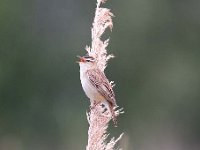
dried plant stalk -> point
(97, 133)
(97, 118)
(102, 21)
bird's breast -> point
(89, 89)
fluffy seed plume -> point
(97, 133)
(102, 21)
(98, 119)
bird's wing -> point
(101, 83)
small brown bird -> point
(96, 85)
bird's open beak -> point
(81, 59)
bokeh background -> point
(156, 71)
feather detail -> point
(103, 86)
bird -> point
(96, 85)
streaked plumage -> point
(101, 83)
(95, 84)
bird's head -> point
(86, 61)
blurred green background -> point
(156, 71)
